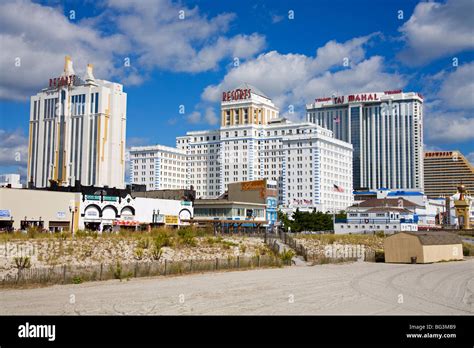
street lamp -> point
(72, 210)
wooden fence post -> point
(217, 263)
(64, 274)
(238, 261)
(135, 270)
(258, 261)
(191, 266)
(165, 266)
(101, 267)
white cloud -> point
(430, 147)
(13, 148)
(297, 79)
(38, 37)
(437, 30)
(150, 34)
(470, 157)
(449, 117)
(457, 90)
(276, 18)
(448, 126)
(193, 44)
(194, 117)
(210, 116)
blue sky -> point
(189, 61)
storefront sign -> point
(171, 220)
(92, 198)
(61, 214)
(110, 199)
(92, 213)
(271, 202)
(252, 185)
(4, 213)
(160, 218)
(186, 203)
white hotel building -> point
(158, 167)
(386, 131)
(77, 131)
(304, 159)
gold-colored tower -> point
(461, 207)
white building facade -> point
(158, 167)
(317, 170)
(387, 220)
(312, 169)
(386, 131)
(12, 180)
(77, 131)
(305, 160)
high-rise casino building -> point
(77, 131)
(386, 132)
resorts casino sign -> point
(62, 81)
(236, 94)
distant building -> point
(245, 204)
(444, 171)
(91, 208)
(158, 167)
(386, 131)
(389, 215)
(77, 132)
(176, 194)
(311, 168)
(377, 219)
(105, 213)
(11, 180)
(49, 210)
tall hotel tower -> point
(303, 161)
(77, 132)
(386, 131)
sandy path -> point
(356, 288)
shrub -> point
(156, 252)
(138, 253)
(379, 255)
(32, 232)
(380, 234)
(62, 235)
(229, 244)
(143, 243)
(77, 280)
(287, 255)
(213, 240)
(22, 262)
(243, 248)
(467, 249)
(186, 237)
(162, 239)
(86, 233)
(117, 271)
